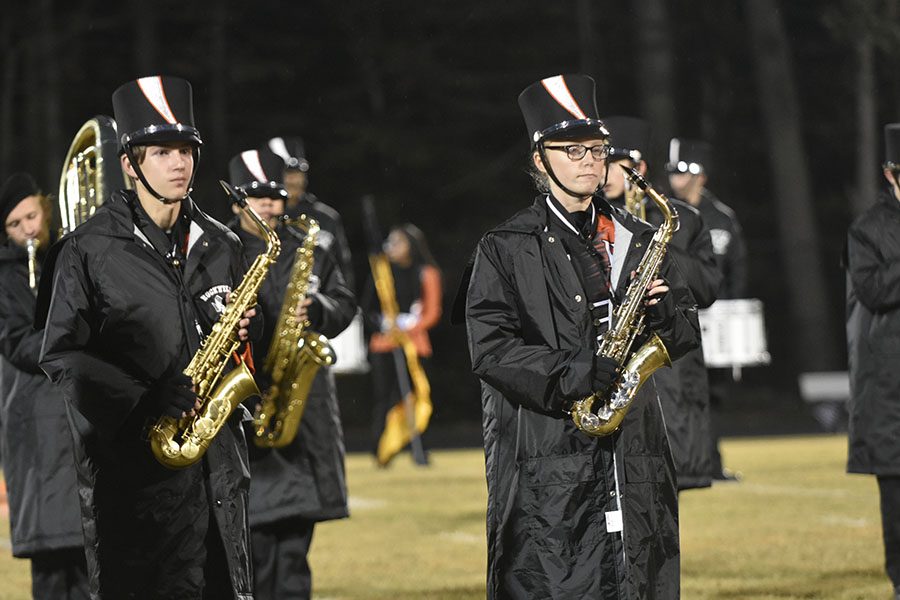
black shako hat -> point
(629, 137)
(559, 107)
(292, 152)
(259, 173)
(689, 156)
(892, 146)
(155, 109)
(15, 189)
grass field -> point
(796, 527)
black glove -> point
(605, 372)
(173, 396)
(314, 313)
(661, 313)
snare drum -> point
(734, 333)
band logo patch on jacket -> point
(215, 297)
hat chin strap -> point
(543, 154)
(153, 192)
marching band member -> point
(300, 201)
(688, 167)
(683, 389)
(873, 339)
(571, 515)
(417, 289)
(295, 486)
(134, 289)
(45, 523)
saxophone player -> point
(570, 515)
(683, 389)
(302, 483)
(134, 290)
(45, 523)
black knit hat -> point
(155, 109)
(259, 173)
(292, 152)
(562, 106)
(892, 146)
(15, 189)
(689, 156)
(629, 137)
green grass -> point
(796, 527)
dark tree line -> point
(416, 103)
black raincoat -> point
(684, 389)
(554, 492)
(873, 336)
(122, 318)
(35, 442)
(306, 478)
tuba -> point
(91, 170)
(295, 354)
(178, 443)
(628, 325)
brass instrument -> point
(634, 197)
(91, 170)
(31, 246)
(178, 443)
(295, 354)
(628, 324)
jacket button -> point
(598, 322)
(577, 297)
(218, 503)
(612, 494)
(551, 239)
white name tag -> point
(614, 521)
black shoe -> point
(727, 475)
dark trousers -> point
(719, 382)
(889, 487)
(280, 567)
(59, 575)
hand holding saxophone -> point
(244, 325)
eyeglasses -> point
(577, 151)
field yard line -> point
(462, 536)
(358, 503)
(791, 490)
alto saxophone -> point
(178, 443)
(628, 324)
(295, 354)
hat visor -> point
(575, 129)
(156, 134)
(265, 190)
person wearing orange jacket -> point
(417, 282)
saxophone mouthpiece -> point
(237, 196)
(635, 177)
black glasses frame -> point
(578, 151)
